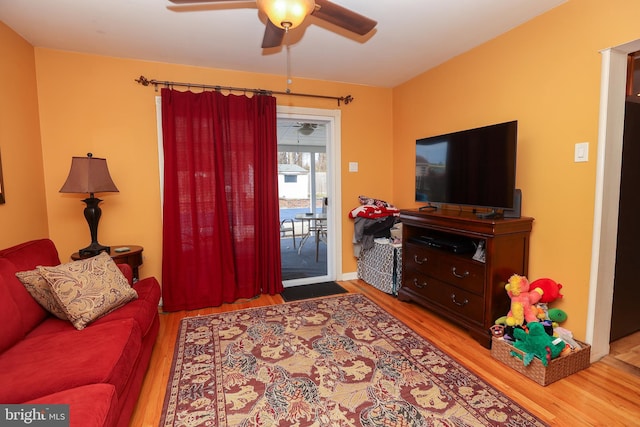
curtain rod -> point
(146, 82)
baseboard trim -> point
(349, 276)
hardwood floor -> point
(625, 354)
(602, 395)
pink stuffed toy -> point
(522, 301)
(550, 289)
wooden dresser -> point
(441, 274)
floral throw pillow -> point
(89, 288)
(40, 290)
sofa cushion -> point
(89, 288)
(143, 310)
(127, 271)
(30, 313)
(45, 364)
(89, 406)
(26, 256)
(40, 290)
(10, 314)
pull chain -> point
(288, 63)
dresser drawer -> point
(420, 257)
(465, 274)
(459, 302)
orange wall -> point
(24, 215)
(92, 104)
(546, 75)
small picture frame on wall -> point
(2, 199)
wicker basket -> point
(556, 369)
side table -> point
(133, 257)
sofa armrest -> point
(127, 271)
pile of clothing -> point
(373, 219)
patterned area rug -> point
(334, 361)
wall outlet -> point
(353, 166)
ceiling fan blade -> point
(343, 17)
(273, 35)
(202, 1)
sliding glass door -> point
(304, 198)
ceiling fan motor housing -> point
(286, 14)
(307, 128)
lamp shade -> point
(88, 175)
(286, 14)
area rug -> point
(334, 361)
(296, 293)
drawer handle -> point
(459, 276)
(419, 285)
(422, 261)
(458, 303)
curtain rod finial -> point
(143, 81)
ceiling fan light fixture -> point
(286, 14)
(307, 129)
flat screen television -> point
(474, 167)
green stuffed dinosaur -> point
(536, 343)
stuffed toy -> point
(500, 329)
(536, 343)
(497, 331)
(548, 326)
(557, 316)
(522, 301)
(550, 289)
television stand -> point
(461, 286)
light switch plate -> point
(353, 166)
(581, 153)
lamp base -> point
(93, 249)
(92, 213)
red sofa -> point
(98, 370)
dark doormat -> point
(295, 293)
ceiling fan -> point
(306, 128)
(287, 14)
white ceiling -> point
(412, 36)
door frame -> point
(607, 195)
(334, 179)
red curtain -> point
(220, 214)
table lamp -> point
(90, 175)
